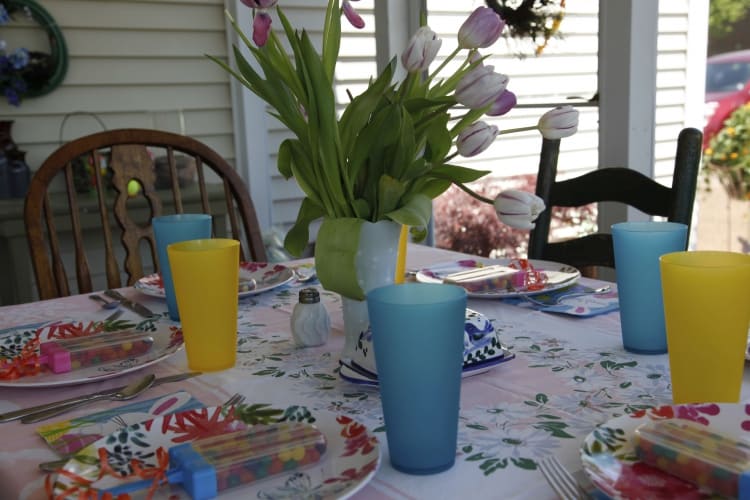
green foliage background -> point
(723, 16)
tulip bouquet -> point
(391, 151)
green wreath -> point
(47, 71)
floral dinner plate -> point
(19, 347)
(351, 459)
(608, 453)
(255, 278)
(357, 375)
(558, 276)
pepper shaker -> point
(310, 322)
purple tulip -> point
(261, 28)
(504, 103)
(352, 16)
(480, 87)
(559, 122)
(482, 28)
(260, 4)
(261, 21)
(421, 51)
(518, 209)
(476, 138)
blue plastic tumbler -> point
(638, 246)
(417, 334)
(170, 229)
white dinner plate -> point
(558, 275)
(265, 276)
(608, 453)
(351, 459)
(358, 375)
(167, 340)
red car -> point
(727, 88)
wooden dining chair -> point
(105, 210)
(616, 184)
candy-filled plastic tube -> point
(64, 355)
(213, 464)
(696, 454)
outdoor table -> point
(569, 374)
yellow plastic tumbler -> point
(707, 312)
(206, 278)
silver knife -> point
(16, 414)
(130, 304)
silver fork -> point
(236, 399)
(560, 480)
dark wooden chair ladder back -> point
(96, 215)
(611, 184)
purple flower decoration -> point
(4, 16)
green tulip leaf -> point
(336, 256)
(284, 161)
(415, 212)
(458, 174)
(416, 170)
(362, 208)
(417, 234)
(432, 188)
(298, 237)
(390, 191)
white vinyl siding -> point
(133, 64)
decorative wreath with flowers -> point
(538, 20)
(29, 73)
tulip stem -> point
(519, 129)
(444, 63)
(474, 194)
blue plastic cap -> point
(743, 488)
(199, 478)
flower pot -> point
(375, 266)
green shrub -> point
(464, 224)
(728, 154)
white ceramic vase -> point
(376, 266)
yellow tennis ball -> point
(134, 187)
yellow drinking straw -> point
(401, 258)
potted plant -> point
(378, 165)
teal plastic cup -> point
(638, 246)
(170, 229)
(417, 334)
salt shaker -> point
(310, 322)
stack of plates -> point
(482, 351)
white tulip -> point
(518, 209)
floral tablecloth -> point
(570, 374)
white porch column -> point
(627, 92)
(395, 23)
